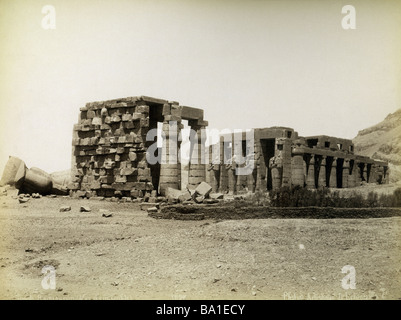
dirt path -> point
(132, 256)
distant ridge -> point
(383, 142)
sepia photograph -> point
(187, 150)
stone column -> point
(310, 180)
(261, 169)
(197, 169)
(297, 168)
(214, 167)
(322, 173)
(365, 172)
(351, 176)
(285, 155)
(358, 178)
(276, 166)
(345, 173)
(170, 168)
(386, 175)
(251, 178)
(333, 174)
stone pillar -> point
(351, 176)
(286, 162)
(251, 178)
(310, 180)
(345, 173)
(358, 177)
(386, 175)
(261, 169)
(333, 174)
(297, 168)
(223, 182)
(197, 169)
(276, 166)
(322, 173)
(232, 178)
(365, 172)
(214, 167)
(379, 175)
(170, 168)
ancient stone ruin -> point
(282, 158)
(110, 147)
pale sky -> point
(248, 64)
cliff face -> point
(383, 142)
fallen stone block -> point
(152, 210)
(199, 199)
(65, 208)
(184, 196)
(173, 193)
(105, 213)
(216, 196)
(203, 189)
(12, 192)
(13, 173)
(191, 190)
(210, 201)
(85, 209)
(59, 189)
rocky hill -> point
(383, 142)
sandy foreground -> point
(133, 256)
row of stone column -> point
(352, 174)
(170, 168)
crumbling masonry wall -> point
(109, 147)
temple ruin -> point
(110, 147)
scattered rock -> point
(85, 209)
(216, 280)
(65, 208)
(147, 205)
(23, 200)
(106, 213)
(210, 201)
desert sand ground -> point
(133, 256)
